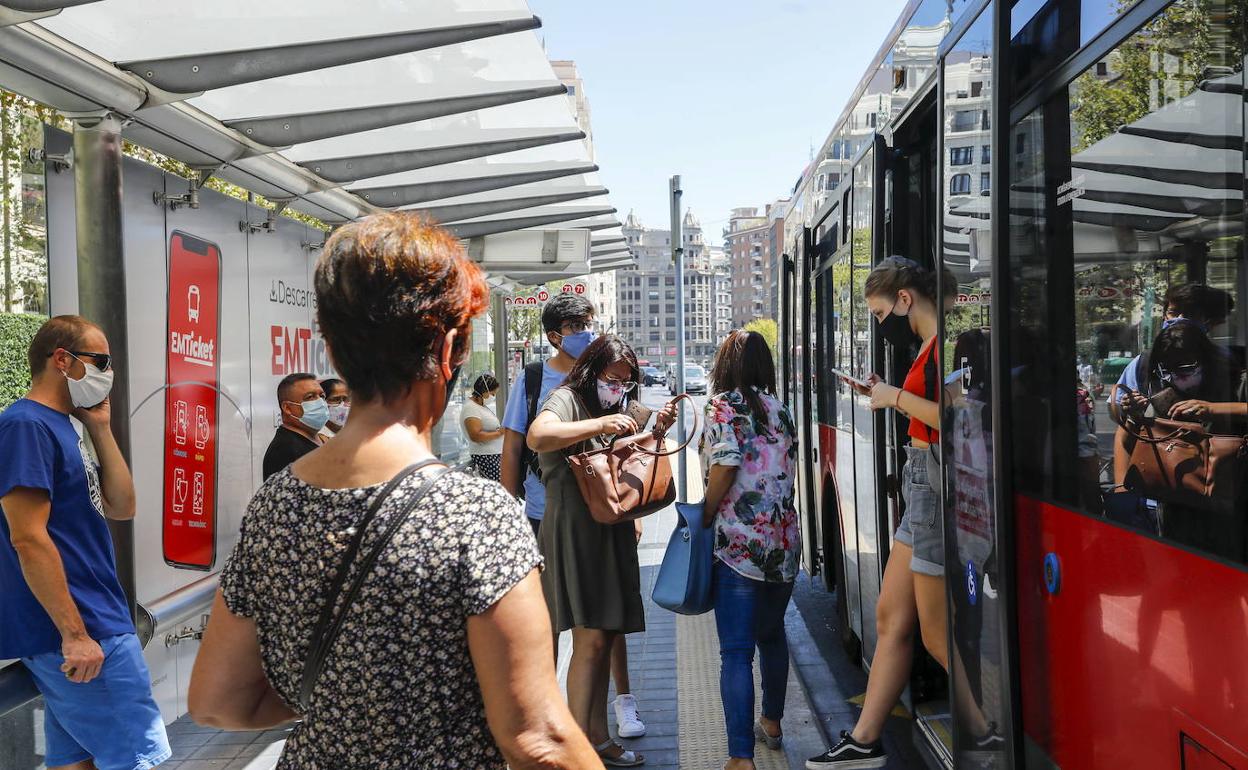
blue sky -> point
(730, 95)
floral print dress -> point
(756, 527)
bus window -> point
(1127, 197)
(970, 516)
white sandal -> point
(626, 758)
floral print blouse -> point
(756, 527)
(399, 690)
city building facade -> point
(647, 295)
(746, 243)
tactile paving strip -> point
(703, 739)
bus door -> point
(1126, 266)
(981, 714)
(820, 551)
(868, 426)
(804, 376)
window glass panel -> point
(1044, 32)
(969, 510)
(1127, 194)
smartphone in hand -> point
(862, 387)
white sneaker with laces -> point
(626, 721)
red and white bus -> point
(1070, 163)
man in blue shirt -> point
(64, 613)
(568, 320)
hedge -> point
(16, 332)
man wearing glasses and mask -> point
(64, 612)
(304, 414)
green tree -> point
(1165, 61)
(770, 331)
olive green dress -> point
(591, 578)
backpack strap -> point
(532, 391)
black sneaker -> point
(849, 754)
(991, 740)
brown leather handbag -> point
(1178, 461)
(629, 478)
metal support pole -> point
(498, 314)
(102, 284)
(678, 257)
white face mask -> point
(338, 413)
(489, 403)
(609, 394)
(92, 389)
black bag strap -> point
(532, 391)
(329, 625)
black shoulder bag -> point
(328, 626)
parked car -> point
(695, 380)
(650, 375)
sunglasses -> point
(102, 361)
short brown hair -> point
(62, 331)
(388, 289)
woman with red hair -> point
(443, 653)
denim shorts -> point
(922, 527)
(111, 719)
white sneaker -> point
(626, 721)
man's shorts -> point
(922, 528)
(112, 719)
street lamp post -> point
(678, 256)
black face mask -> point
(896, 329)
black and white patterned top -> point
(398, 690)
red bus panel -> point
(1138, 659)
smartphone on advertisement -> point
(192, 377)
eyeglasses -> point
(624, 385)
(1182, 370)
(103, 361)
(576, 327)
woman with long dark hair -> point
(1185, 376)
(592, 581)
(749, 454)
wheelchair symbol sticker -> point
(972, 581)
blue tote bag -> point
(684, 582)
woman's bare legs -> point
(590, 665)
(619, 665)
(895, 619)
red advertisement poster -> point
(192, 377)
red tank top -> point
(925, 367)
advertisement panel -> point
(192, 379)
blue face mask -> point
(575, 344)
(315, 414)
(1167, 323)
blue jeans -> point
(750, 613)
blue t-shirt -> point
(515, 417)
(40, 449)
